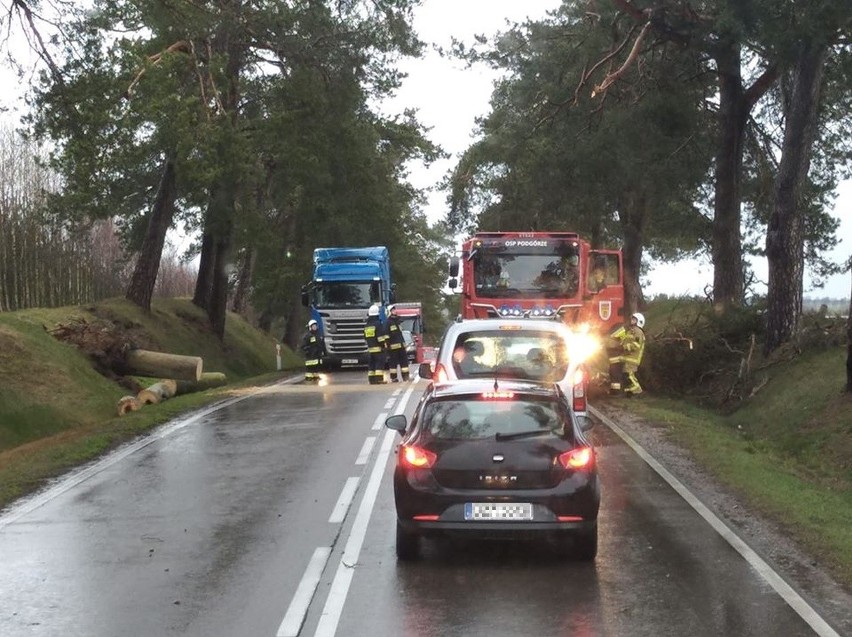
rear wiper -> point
(532, 433)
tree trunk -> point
(727, 238)
(158, 392)
(203, 283)
(849, 346)
(162, 365)
(208, 380)
(244, 278)
(784, 237)
(141, 287)
(633, 217)
(293, 330)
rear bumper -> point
(497, 530)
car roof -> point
(467, 386)
(470, 325)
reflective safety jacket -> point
(375, 335)
(633, 344)
(313, 345)
(395, 337)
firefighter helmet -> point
(312, 323)
(391, 309)
(373, 311)
(640, 318)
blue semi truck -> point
(345, 283)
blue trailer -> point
(345, 283)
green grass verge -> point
(57, 412)
(814, 509)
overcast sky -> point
(449, 97)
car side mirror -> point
(397, 423)
(425, 371)
(305, 295)
(453, 283)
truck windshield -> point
(343, 294)
(500, 273)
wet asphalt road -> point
(273, 515)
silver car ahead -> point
(521, 349)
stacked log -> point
(167, 388)
(158, 392)
(127, 404)
(208, 380)
(159, 364)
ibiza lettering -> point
(530, 243)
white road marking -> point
(397, 392)
(365, 451)
(292, 623)
(380, 421)
(333, 608)
(390, 403)
(343, 502)
(805, 611)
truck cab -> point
(345, 283)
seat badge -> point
(498, 457)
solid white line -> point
(292, 623)
(380, 421)
(390, 403)
(333, 608)
(805, 611)
(343, 502)
(365, 451)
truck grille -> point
(344, 335)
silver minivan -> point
(523, 349)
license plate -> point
(350, 361)
(498, 511)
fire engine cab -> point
(540, 275)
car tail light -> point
(579, 458)
(415, 457)
(440, 375)
(426, 518)
(578, 396)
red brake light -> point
(416, 457)
(440, 375)
(578, 392)
(579, 458)
(498, 395)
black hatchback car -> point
(495, 459)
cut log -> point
(128, 403)
(159, 364)
(208, 380)
(158, 392)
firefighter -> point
(313, 347)
(623, 365)
(376, 337)
(396, 347)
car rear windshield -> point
(476, 417)
(524, 354)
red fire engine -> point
(411, 321)
(540, 275)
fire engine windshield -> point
(410, 324)
(501, 272)
(343, 294)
